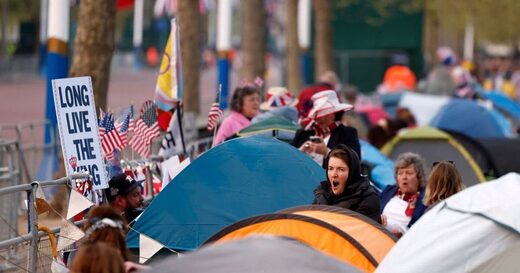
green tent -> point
(435, 145)
(277, 127)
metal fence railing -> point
(31, 252)
(31, 145)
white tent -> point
(423, 106)
(462, 233)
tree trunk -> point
(293, 49)
(190, 32)
(253, 39)
(94, 45)
(323, 39)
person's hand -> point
(397, 234)
(133, 267)
(384, 220)
(306, 147)
(320, 148)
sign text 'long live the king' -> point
(77, 123)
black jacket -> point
(358, 195)
(340, 135)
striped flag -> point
(215, 113)
(127, 125)
(111, 139)
(146, 128)
(101, 123)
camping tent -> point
(503, 154)
(340, 233)
(278, 127)
(257, 254)
(381, 167)
(505, 262)
(237, 179)
(504, 104)
(477, 151)
(422, 106)
(495, 157)
(471, 118)
(463, 232)
(435, 145)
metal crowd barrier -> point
(32, 238)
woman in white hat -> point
(325, 131)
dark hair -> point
(237, 101)
(340, 151)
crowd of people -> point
(326, 136)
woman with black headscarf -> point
(345, 186)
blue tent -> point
(382, 168)
(505, 104)
(240, 178)
(391, 102)
(470, 118)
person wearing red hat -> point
(324, 129)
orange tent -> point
(343, 234)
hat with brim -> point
(325, 103)
(278, 97)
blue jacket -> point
(390, 191)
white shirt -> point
(397, 220)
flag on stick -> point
(215, 112)
(168, 89)
(111, 139)
(172, 142)
(146, 128)
(127, 125)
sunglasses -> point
(447, 161)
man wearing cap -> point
(126, 196)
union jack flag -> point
(215, 113)
(111, 139)
(146, 128)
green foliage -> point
(494, 20)
(23, 10)
(382, 10)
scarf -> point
(324, 132)
(411, 199)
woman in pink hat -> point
(325, 131)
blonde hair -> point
(443, 182)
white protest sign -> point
(78, 127)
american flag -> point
(215, 113)
(127, 125)
(146, 128)
(111, 139)
(101, 123)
